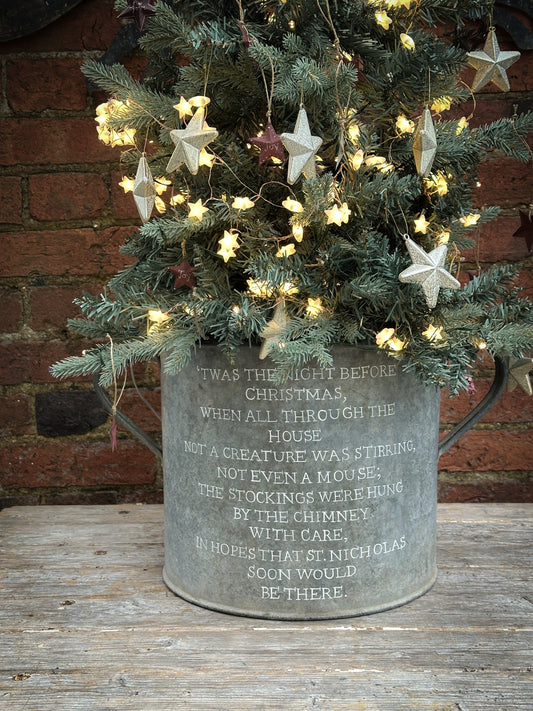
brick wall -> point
(63, 217)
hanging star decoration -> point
(526, 228)
(270, 145)
(519, 369)
(271, 334)
(491, 63)
(302, 147)
(428, 271)
(424, 143)
(183, 274)
(190, 141)
(138, 11)
(144, 192)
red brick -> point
(51, 306)
(80, 464)
(11, 193)
(39, 84)
(495, 242)
(20, 500)
(511, 491)
(80, 498)
(489, 450)
(123, 203)
(64, 252)
(30, 361)
(513, 406)
(10, 310)
(16, 416)
(141, 496)
(504, 182)
(67, 196)
(91, 25)
(60, 141)
(132, 405)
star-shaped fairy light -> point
(293, 205)
(270, 144)
(298, 232)
(287, 250)
(271, 334)
(433, 333)
(242, 203)
(314, 307)
(189, 142)
(404, 125)
(338, 214)
(138, 11)
(127, 184)
(302, 147)
(197, 210)
(519, 369)
(388, 340)
(526, 228)
(183, 274)
(228, 245)
(183, 107)
(144, 192)
(421, 224)
(407, 41)
(491, 63)
(383, 19)
(428, 271)
(470, 220)
(424, 143)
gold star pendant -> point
(519, 369)
(144, 191)
(490, 64)
(424, 144)
(302, 147)
(428, 271)
(189, 142)
(271, 334)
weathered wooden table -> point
(86, 623)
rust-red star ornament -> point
(138, 11)
(270, 145)
(183, 274)
(526, 228)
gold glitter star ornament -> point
(144, 192)
(428, 271)
(271, 334)
(491, 64)
(424, 144)
(190, 141)
(519, 369)
(301, 147)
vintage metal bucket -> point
(307, 500)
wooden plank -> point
(88, 624)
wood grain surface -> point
(87, 623)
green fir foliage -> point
(339, 280)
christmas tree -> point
(299, 187)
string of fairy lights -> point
(190, 149)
